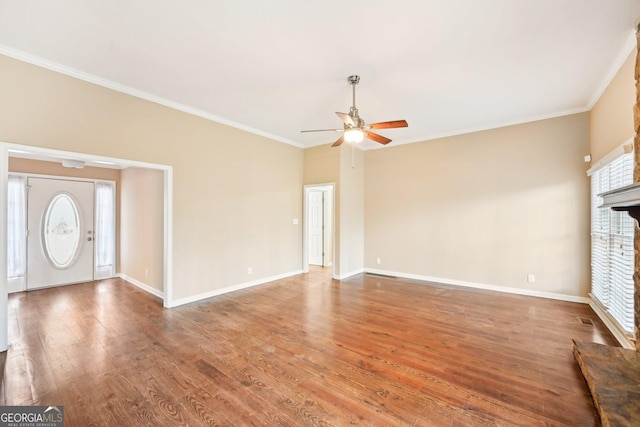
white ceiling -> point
(280, 66)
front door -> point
(60, 232)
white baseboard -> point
(518, 291)
(233, 288)
(141, 285)
(16, 285)
(350, 274)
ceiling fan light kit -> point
(354, 128)
(353, 135)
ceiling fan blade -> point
(338, 142)
(323, 130)
(388, 125)
(377, 138)
(346, 119)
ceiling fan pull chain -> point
(353, 156)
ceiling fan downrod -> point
(353, 112)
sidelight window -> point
(105, 230)
(16, 228)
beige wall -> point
(447, 208)
(142, 219)
(352, 210)
(40, 167)
(234, 193)
(485, 208)
(321, 165)
(611, 117)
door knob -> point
(89, 239)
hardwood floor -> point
(307, 350)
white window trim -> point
(625, 148)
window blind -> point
(612, 254)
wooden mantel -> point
(624, 199)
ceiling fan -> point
(355, 129)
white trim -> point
(81, 75)
(628, 47)
(25, 150)
(16, 284)
(60, 177)
(517, 291)
(625, 148)
(229, 289)
(613, 327)
(305, 223)
(168, 238)
(141, 285)
(350, 274)
(4, 287)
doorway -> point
(57, 156)
(318, 236)
(9, 149)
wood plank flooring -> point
(306, 350)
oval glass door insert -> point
(62, 231)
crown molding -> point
(628, 47)
(488, 126)
(99, 81)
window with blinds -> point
(612, 256)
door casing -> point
(329, 215)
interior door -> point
(316, 229)
(328, 227)
(60, 232)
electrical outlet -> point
(250, 270)
(146, 272)
(378, 261)
(531, 278)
